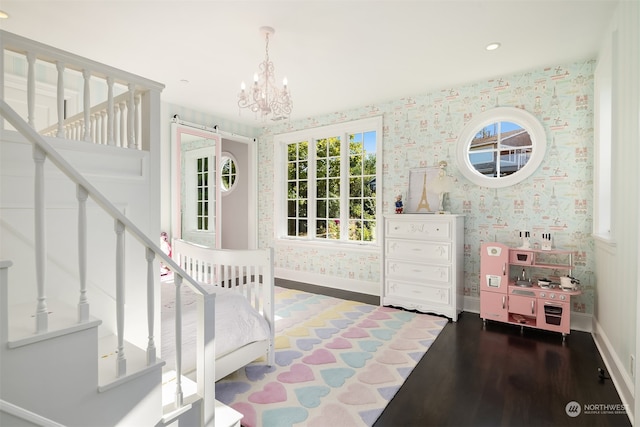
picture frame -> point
(422, 195)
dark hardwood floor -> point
(496, 376)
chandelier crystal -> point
(264, 96)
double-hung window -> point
(328, 182)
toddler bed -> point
(244, 311)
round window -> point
(501, 147)
(228, 172)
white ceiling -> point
(336, 54)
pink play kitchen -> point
(527, 287)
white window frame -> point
(604, 88)
(343, 130)
(191, 189)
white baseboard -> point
(370, 288)
(621, 380)
(471, 304)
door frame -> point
(177, 126)
(178, 129)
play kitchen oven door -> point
(554, 315)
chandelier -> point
(264, 97)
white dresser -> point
(423, 263)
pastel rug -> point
(338, 363)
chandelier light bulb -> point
(242, 86)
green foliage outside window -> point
(359, 213)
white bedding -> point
(237, 324)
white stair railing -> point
(44, 151)
(124, 131)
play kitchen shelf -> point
(527, 287)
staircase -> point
(67, 307)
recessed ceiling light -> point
(492, 46)
(185, 81)
(4, 15)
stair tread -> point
(62, 318)
(136, 360)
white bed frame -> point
(248, 272)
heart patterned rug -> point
(337, 363)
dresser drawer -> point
(418, 293)
(417, 229)
(418, 250)
(413, 271)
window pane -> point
(334, 167)
(355, 230)
(302, 170)
(321, 188)
(355, 187)
(302, 227)
(321, 229)
(302, 208)
(291, 171)
(334, 229)
(355, 209)
(334, 146)
(334, 208)
(321, 168)
(334, 187)
(302, 190)
(321, 208)
(292, 191)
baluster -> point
(179, 396)
(83, 305)
(121, 362)
(110, 121)
(31, 88)
(87, 104)
(130, 120)
(60, 103)
(137, 122)
(42, 320)
(93, 128)
(123, 124)
(151, 346)
(116, 124)
(103, 127)
(98, 127)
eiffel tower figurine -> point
(423, 203)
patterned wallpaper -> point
(422, 130)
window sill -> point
(605, 239)
(336, 245)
